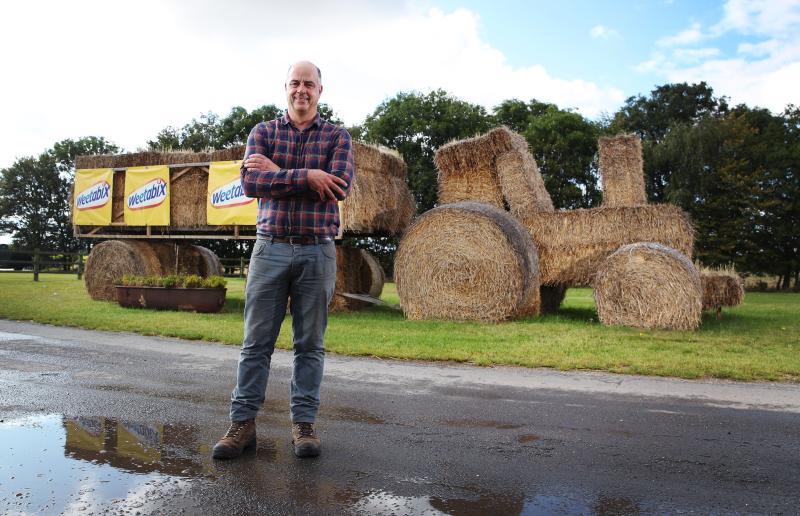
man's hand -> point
(328, 186)
(260, 162)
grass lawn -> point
(758, 341)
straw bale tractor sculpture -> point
(379, 203)
(495, 249)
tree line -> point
(734, 169)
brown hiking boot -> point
(305, 440)
(241, 435)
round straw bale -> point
(210, 263)
(552, 297)
(467, 261)
(196, 259)
(371, 274)
(112, 259)
(647, 285)
(721, 288)
(357, 272)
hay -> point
(118, 198)
(112, 259)
(188, 191)
(647, 285)
(496, 168)
(467, 261)
(522, 183)
(572, 244)
(552, 297)
(722, 287)
(622, 171)
(376, 158)
(467, 168)
(195, 259)
(372, 274)
(355, 274)
(379, 201)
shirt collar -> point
(285, 120)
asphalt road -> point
(97, 422)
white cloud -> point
(763, 73)
(769, 17)
(603, 32)
(693, 34)
(125, 70)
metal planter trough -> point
(205, 300)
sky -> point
(125, 69)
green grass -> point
(758, 341)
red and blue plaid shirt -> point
(286, 205)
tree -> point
(668, 106)
(564, 145)
(416, 125)
(736, 175)
(211, 132)
(35, 193)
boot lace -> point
(235, 429)
(305, 429)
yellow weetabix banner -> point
(91, 198)
(226, 203)
(147, 196)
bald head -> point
(303, 88)
(305, 64)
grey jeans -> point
(278, 271)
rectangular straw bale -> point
(572, 244)
(378, 159)
(118, 197)
(467, 167)
(187, 205)
(377, 203)
(230, 154)
(622, 171)
(521, 183)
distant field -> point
(757, 341)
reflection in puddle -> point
(53, 464)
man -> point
(298, 166)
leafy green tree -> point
(35, 195)
(416, 125)
(652, 118)
(736, 175)
(211, 132)
(564, 145)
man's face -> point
(303, 89)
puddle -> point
(53, 464)
(380, 502)
(6, 336)
(527, 438)
(341, 413)
(475, 423)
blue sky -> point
(558, 35)
(127, 69)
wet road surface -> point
(96, 422)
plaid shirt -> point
(286, 205)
